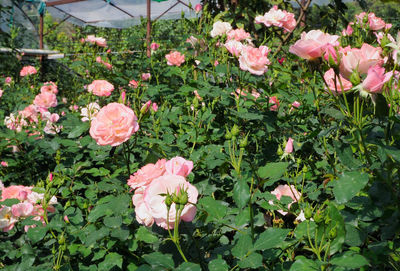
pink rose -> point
(27, 70)
(114, 124)
(375, 23)
(360, 18)
(146, 76)
(101, 42)
(175, 58)
(7, 220)
(50, 87)
(30, 113)
(154, 46)
(101, 88)
(22, 209)
(289, 145)
(286, 190)
(296, 104)
(313, 44)
(329, 77)
(45, 99)
(279, 18)
(234, 47)
(146, 174)
(155, 202)
(154, 107)
(133, 84)
(254, 60)
(359, 59)
(238, 34)
(273, 103)
(348, 31)
(19, 192)
(375, 79)
(8, 80)
(145, 107)
(4, 164)
(198, 8)
(179, 166)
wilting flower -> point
(175, 58)
(254, 60)
(100, 88)
(220, 28)
(113, 125)
(313, 44)
(27, 70)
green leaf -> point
(121, 234)
(302, 263)
(143, 234)
(112, 259)
(96, 235)
(218, 265)
(113, 221)
(241, 193)
(349, 259)
(271, 238)
(273, 170)
(156, 259)
(243, 245)
(254, 260)
(348, 185)
(9, 202)
(36, 234)
(79, 130)
(213, 207)
(188, 267)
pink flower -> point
(175, 58)
(101, 88)
(313, 44)
(273, 103)
(296, 104)
(238, 34)
(27, 70)
(66, 219)
(143, 215)
(133, 84)
(286, 190)
(348, 31)
(19, 192)
(220, 28)
(123, 96)
(106, 64)
(281, 60)
(50, 177)
(145, 107)
(154, 46)
(4, 164)
(360, 18)
(198, 8)
(1, 92)
(147, 174)
(359, 59)
(279, 18)
(146, 76)
(45, 99)
(113, 125)
(154, 200)
(49, 87)
(154, 107)
(289, 145)
(22, 209)
(7, 220)
(375, 79)
(329, 77)
(375, 23)
(254, 60)
(234, 47)
(96, 40)
(216, 63)
(179, 166)
(8, 80)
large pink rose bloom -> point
(30, 113)
(146, 174)
(238, 35)
(313, 44)
(254, 60)
(279, 18)
(234, 47)
(113, 125)
(375, 23)
(45, 99)
(175, 58)
(329, 77)
(179, 166)
(143, 215)
(359, 59)
(100, 88)
(49, 87)
(286, 190)
(155, 201)
(19, 192)
(375, 79)
(27, 70)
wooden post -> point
(148, 34)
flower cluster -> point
(27, 70)
(99, 41)
(30, 204)
(153, 183)
(279, 18)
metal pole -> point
(148, 34)
(41, 32)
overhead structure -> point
(117, 13)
